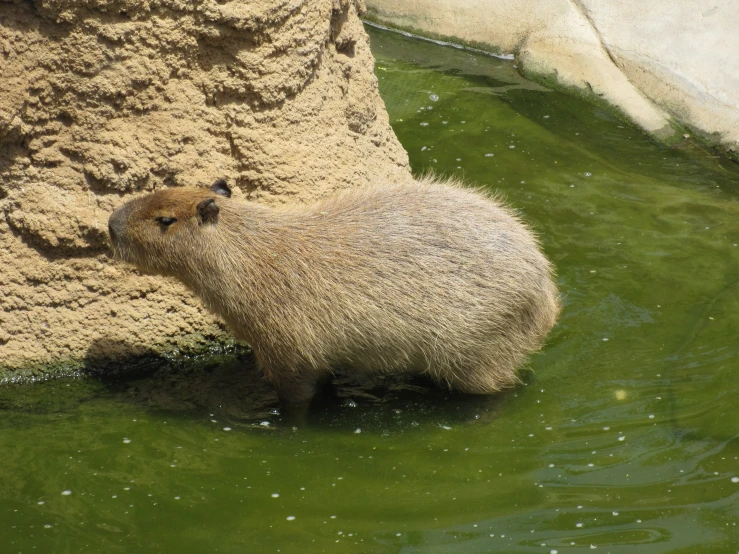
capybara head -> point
(160, 232)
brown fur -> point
(427, 277)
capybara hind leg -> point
(484, 382)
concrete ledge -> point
(666, 65)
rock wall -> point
(104, 99)
(656, 61)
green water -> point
(625, 438)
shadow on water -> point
(229, 385)
(232, 388)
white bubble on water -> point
(126, 441)
(40, 502)
(433, 97)
(275, 495)
(226, 428)
(615, 513)
(424, 124)
(66, 493)
(264, 424)
(423, 148)
(622, 438)
(588, 174)
(357, 431)
(511, 146)
(578, 524)
(735, 479)
(176, 497)
(489, 155)
(290, 518)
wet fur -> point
(428, 277)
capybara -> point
(427, 277)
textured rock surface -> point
(101, 99)
(655, 61)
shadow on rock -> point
(223, 379)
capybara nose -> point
(116, 224)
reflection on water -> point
(625, 438)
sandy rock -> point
(103, 99)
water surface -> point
(625, 438)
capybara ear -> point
(221, 188)
(208, 211)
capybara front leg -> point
(296, 391)
(295, 394)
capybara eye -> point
(166, 221)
